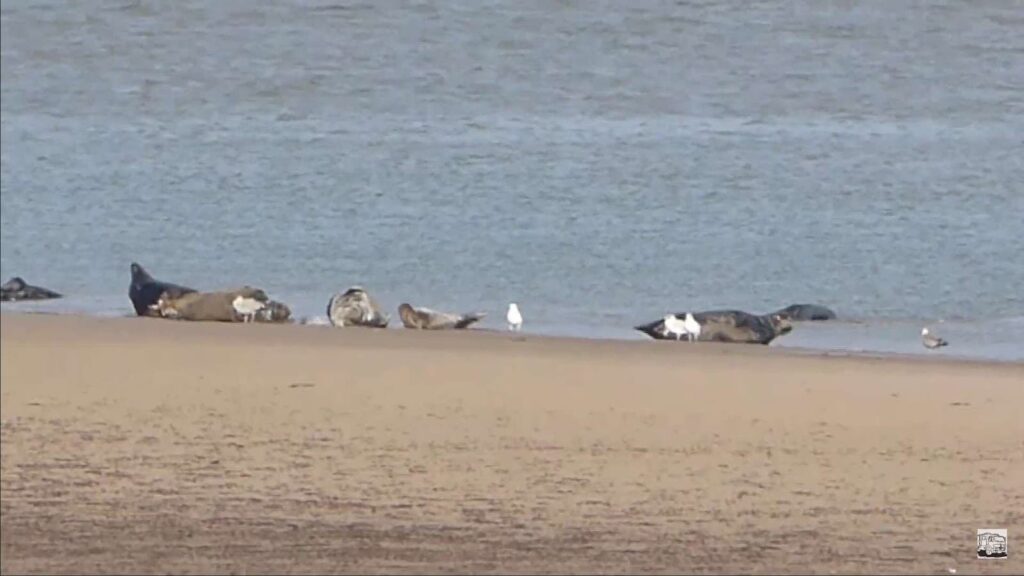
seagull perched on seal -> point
(674, 326)
(931, 341)
(677, 327)
(692, 327)
(427, 319)
(247, 307)
(355, 307)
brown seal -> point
(427, 319)
(246, 304)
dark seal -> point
(732, 326)
(806, 312)
(145, 291)
(17, 289)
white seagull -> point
(514, 317)
(931, 341)
(247, 307)
(692, 327)
(675, 326)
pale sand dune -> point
(134, 445)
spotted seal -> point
(355, 307)
(426, 319)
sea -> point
(600, 163)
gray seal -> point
(732, 326)
(807, 312)
(145, 291)
(274, 312)
(16, 289)
(355, 307)
(426, 319)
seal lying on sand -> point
(17, 289)
(799, 312)
(427, 319)
(144, 291)
(727, 326)
(245, 304)
(355, 307)
(274, 311)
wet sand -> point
(134, 445)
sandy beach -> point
(146, 446)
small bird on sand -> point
(931, 341)
(514, 317)
(675, 326)
(247, 307)
(692, 327)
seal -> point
(427, 319)
(274, 312)
(806, 312)
(246, 304)
(733, 326)
(355, 307)
(16, 289)
(145, 291)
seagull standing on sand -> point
(692, 327)
(675, 327)
(931, 341)
(514, 317)
(247, 307)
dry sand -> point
(133, 445)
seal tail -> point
(652, 329)
(468, 319)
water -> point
(600, 163)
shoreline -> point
(143, 445)
(776, 348)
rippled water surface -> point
(601, 163)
